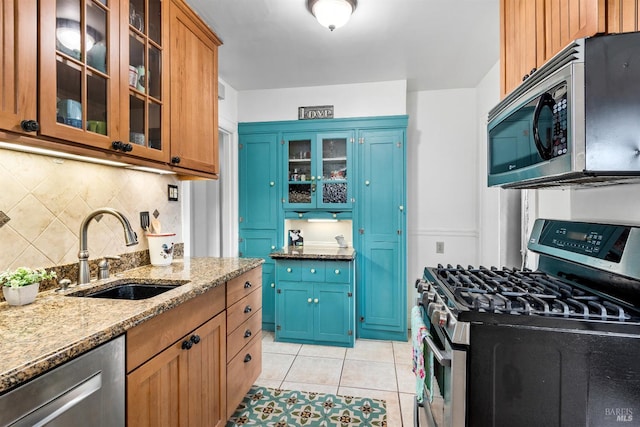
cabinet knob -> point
(247, 333)
(247, 309)
(127, 147)
(300, 215)
(186, 345)
(288, 269)
(247, 358)
(313, 271)
(313, 178)
(315, 300)
(334, 215)
(247, 284)
(273, 285)
(271, 184)
(175, 160)
(309, 300)
(273, 247)
(367, 182)
(195, 339)
(29, 126)
(336, 271)
(401, 207)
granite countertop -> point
(56, 328)
(314, 252)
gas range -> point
(567, 334)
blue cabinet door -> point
(382, 306)
(299, 171)
(294, 311)
(259, 244)
(258, 181)
(333, 313)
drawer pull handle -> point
(289, 270)
(313, 271)
(247, 358)
(247, 284)
(186, 345)
(247, 333)
(247, 309)
(337, 271)
(195, 339)
(309, 300)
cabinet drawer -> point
(243, 334)
(243, 310)
(313, 271)
(288, 270)
(151, 337)
(243, 285)
(338, 272)
(242, 372)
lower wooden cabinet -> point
(244, 336)
(315, 302)
(183, 385)
(177, 365)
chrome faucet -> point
(130, 238)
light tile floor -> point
(376, 369)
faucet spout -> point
(130, 238)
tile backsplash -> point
(44, 199)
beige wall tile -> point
(48, 198)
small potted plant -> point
(21, 286)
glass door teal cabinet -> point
(318, 171)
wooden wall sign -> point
(317, 112)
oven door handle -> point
(444, 359)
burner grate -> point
(524, 292)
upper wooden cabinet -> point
(96, 77)
(18, 72)
(101, 80)
(531, 32)
(194, 91)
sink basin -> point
(130, 291)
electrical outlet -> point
(439, 247)
(144, 220)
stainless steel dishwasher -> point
(86, 391)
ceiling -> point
(432, 44)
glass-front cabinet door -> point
(318, 167)
(143, 57)
(101, 82)
(79, 70)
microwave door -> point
(543, 126)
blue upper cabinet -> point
(258, 178)
(318, 170)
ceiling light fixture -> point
(332, 13)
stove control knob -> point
(431, 295)
(439, 315)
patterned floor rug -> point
(270, 407)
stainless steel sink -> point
(126, 290)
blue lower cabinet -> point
(312, 309)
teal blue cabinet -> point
(259, 210)
(315, 302)
(381, 238)
(318, 170)
(351, 168)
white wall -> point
(442, 170)
(356, 100)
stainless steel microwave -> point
(576, 120)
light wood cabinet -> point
(97, 77)
(194, 92)
(531, 32)
(176, 370)
(244, 335)
(18, 72)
